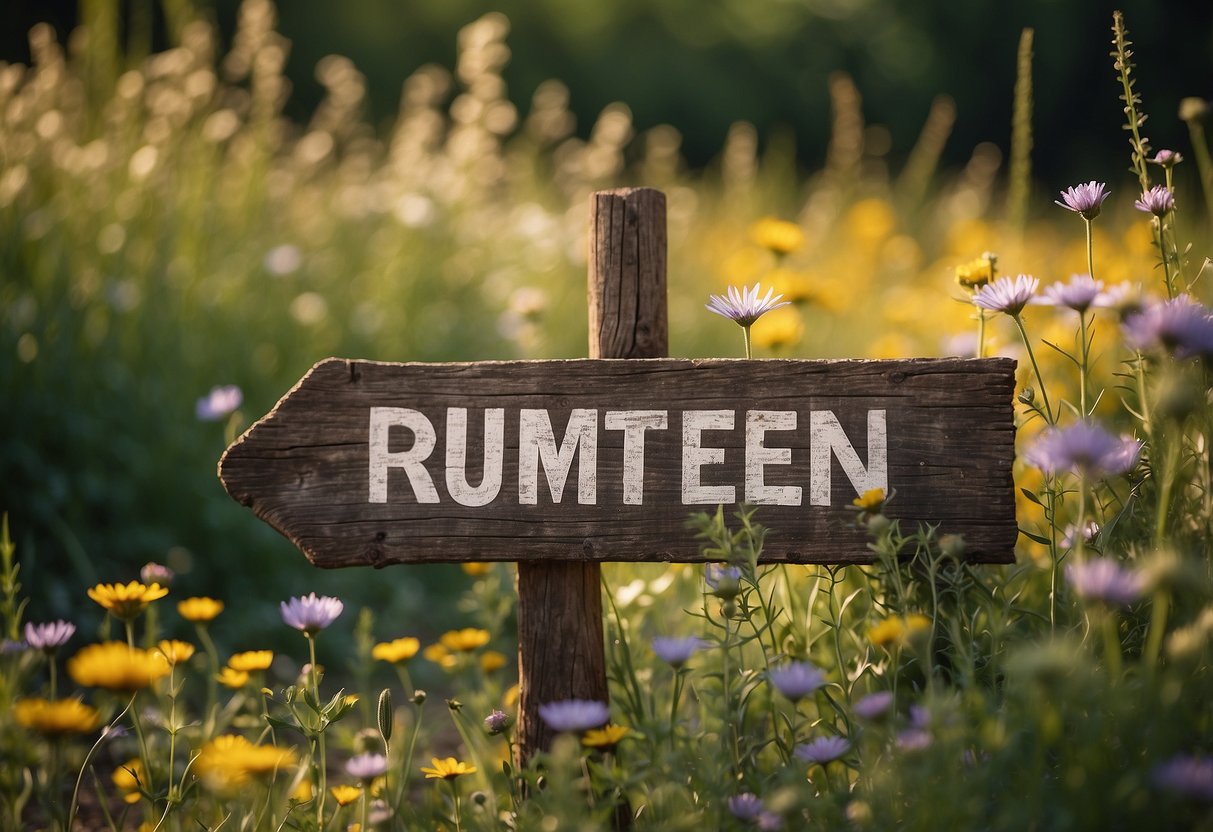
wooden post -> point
(561, 654)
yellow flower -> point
(199, 609)
(492, 660)
(115, 666)
(56, 716)
(887, 632)
(440, 656)
(779, 328)
(606, 737)
(345, 795)
(794, 286)
(129, 778)
(251, 660)
(304, 792)
(176, 651)
(510, 699)
(977, 273)
(916, 623)
(232, 678)
(126, 601)
(228, 761)
(447, 769)
(780, 236)
(476, 569)
(872, 500)
(465, 640)
(396, 651)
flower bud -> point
(952, 546)
(366, 741)
(1193, 109)
(1026, 395)
(418, 697)
(384, 715)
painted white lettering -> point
(456, 456)
(758, 455)
(827, 438)
(695, 456)
(634, 423)
(383, 419)
(536, 443)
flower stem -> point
(745, 333)
(1090, 250)
(1084, 367)
(1035, 368)
(1158, 626)
(981, 333)
(321, 767)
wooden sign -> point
(367, 463)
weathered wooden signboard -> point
(367, 463)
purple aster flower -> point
(1007, 294)
(1167, 158)
(1126, 298)
(744, 307)
(873, 705)
(8, 645)
(797, 680)
(676, 651)
(310, 613)
(218, 403)
(498, 722)
(1084, 199)
(1083, 448)
(1188, 775)
(1158, 201)
(769, 822)
(823, 749)
(1180, 325)
(920, 717)
(746, 806)
(574, 715)
(914, 739)
(1080, 294)
(49, 636)
(366, 767)
(155, 573)
(1103, 579)
(1069, 538)
(724, 581)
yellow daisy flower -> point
(465, 640)
(491, 660)
(779, 236)
(447, 769)
(977, 273)
(396, 651)
(115, 666)
(176, 651)
(439, 655)
(232, 678)
(56, 717)
(476, 569)
(345, 795)
(606, 737)
(129, 778)
(228, 762)
(199, 609)
(887, 632)
(126, 601)
(251, 660)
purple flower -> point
(366, 767)
(218, 403)
(744, 307)
(49, 636)
(310, 613)
(155, 573)
(1167, 158)
(676, 651)
(1125, 298)
(1103, 579)
(1070, 537)
(914, 739)
(1188, 775)
(769, 822)
(1083, 448)
(724, 581)
(746, 806)
(1007, 294)
(823, 749)
(498, 722)
(1180, 325)
(1080, 294)
(873, 705)
(1158, 201)
(797, 680)
(1084, 199)
(574, 715)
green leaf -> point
(1031, 497)
(1044, 541)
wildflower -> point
(492, 660)
(574, 715)
(873, 705)
(676, 651)
(476, 569)
(175, 651)
(914, 739)
(311, 614)
(439, 655)
(1070, 536)
(228, 761)
(126, 601)
(782, 328)
(606, 737)
(1158, 201)
(1083, 448)
(1084, 199)
(56, 717)
(797, 680)
(1180, 325)
(345, 795)
(746, 806)
(396, 651)
(1080, 294)
(1105, 580)
(498, 722)
(1006, 294)
(114, 665)
(977, 273)
(218, 403)
(50, 636)
(724, 581)
(1167, 158)
(778, 236)
(304, 792)
(743, 307)
(1124, 297)
(231, 678)
(129, 778)
(199, 610)
(465, 640)
(887, 632)
(251, 660)
(769, 822)
(1188, 775)
(366, 767)
(871, 501)
(155, 573)
(447, 769)
(823, 749)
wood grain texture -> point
(303, 468)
